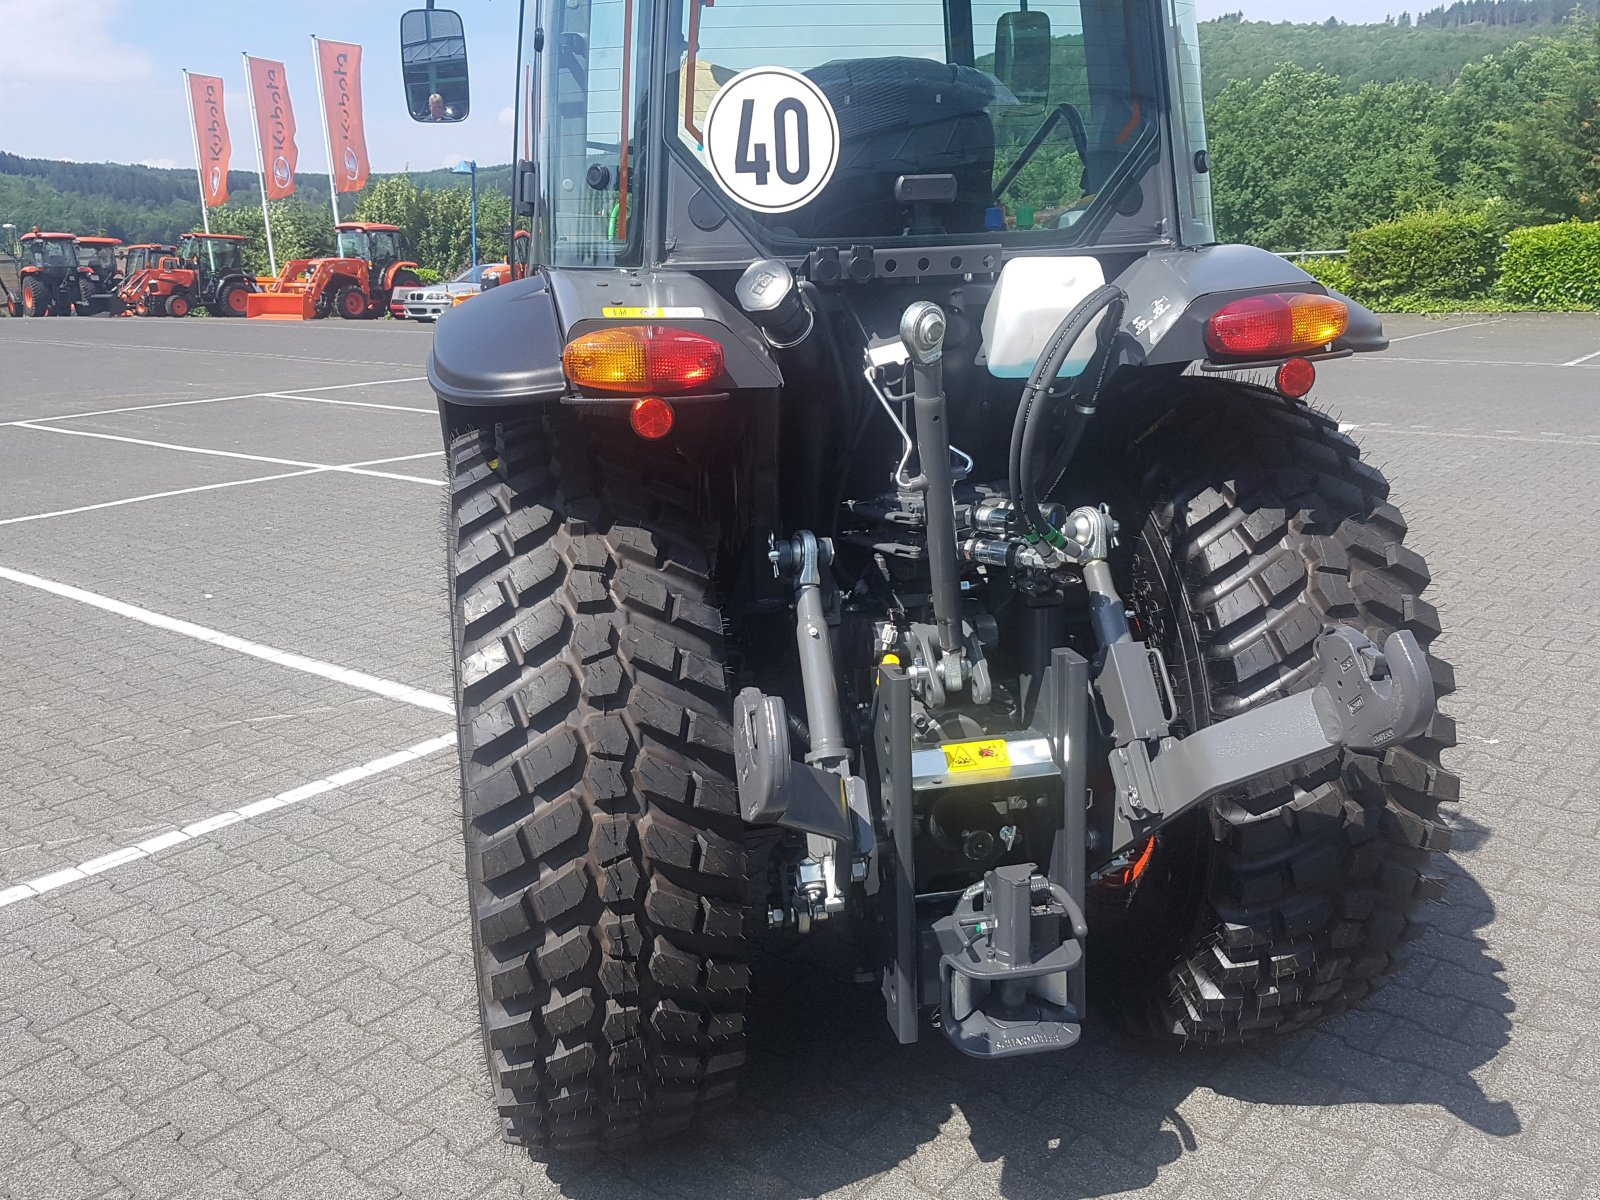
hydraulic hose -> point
(1029, 423)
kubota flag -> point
(211, 137)
(340, 63)
(275, 121)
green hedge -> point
(1433, 252)
(1554, 266)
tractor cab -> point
(139, 258)
(99, 277)
(49, 274)
(98, 255)
(380, 246)
(212, 254)
(1018, 128)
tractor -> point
(99, 277)
(368, 267)
(50, 275)
(884, 508)
(139, 267)
(207, 271)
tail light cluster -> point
(636, 360)
(1274, 326)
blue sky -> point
(131, 107)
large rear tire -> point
(610, 894)
(1267, 529)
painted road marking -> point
(1578, 362)
(232, 483)
(1469, 362)
(262, 458)
(1431, 332)
(198, 829)
(106, 412)
(432, 412)
(283, 658)
(1544, 439)
(205, 487)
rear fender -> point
(1172, 295)
(504, 349)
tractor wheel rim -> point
(236, 301)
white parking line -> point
(176, 837)
(1392, 359)
(106, 412)
(432, 412)
(232, 483)
(1431, 332)
(1578, 362)
(283, 658)
(206, 487)
(281, 462)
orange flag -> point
(211, 137)
(275, 120)
(341, 98)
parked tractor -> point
(207, 272)
(140, 264)
(99, 276)
(49, 278)
(368, 267)
(852, 527)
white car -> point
(427, 303)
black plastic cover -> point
(501, 347)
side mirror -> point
(433, 65)
(1022, 49)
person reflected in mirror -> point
(437, 110)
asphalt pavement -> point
(234, 955)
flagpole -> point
(199, 171)
(261, 162)
(327, 131)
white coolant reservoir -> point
(1031, 299)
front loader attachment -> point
(279, 306)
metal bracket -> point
(1366, 700)
(776, 790)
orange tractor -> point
(139, 265)
(49, 278)
(207, 272)
(369, 266)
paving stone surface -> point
(281, 1007)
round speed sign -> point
(772, 139)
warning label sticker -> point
(977, 756)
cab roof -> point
(151, 246)
(365, 227)
(99, 241)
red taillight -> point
(643, 358)
(1275, 325)
(1296, 378)
(651, 417)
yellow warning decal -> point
(977, 756)
(653, 314)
